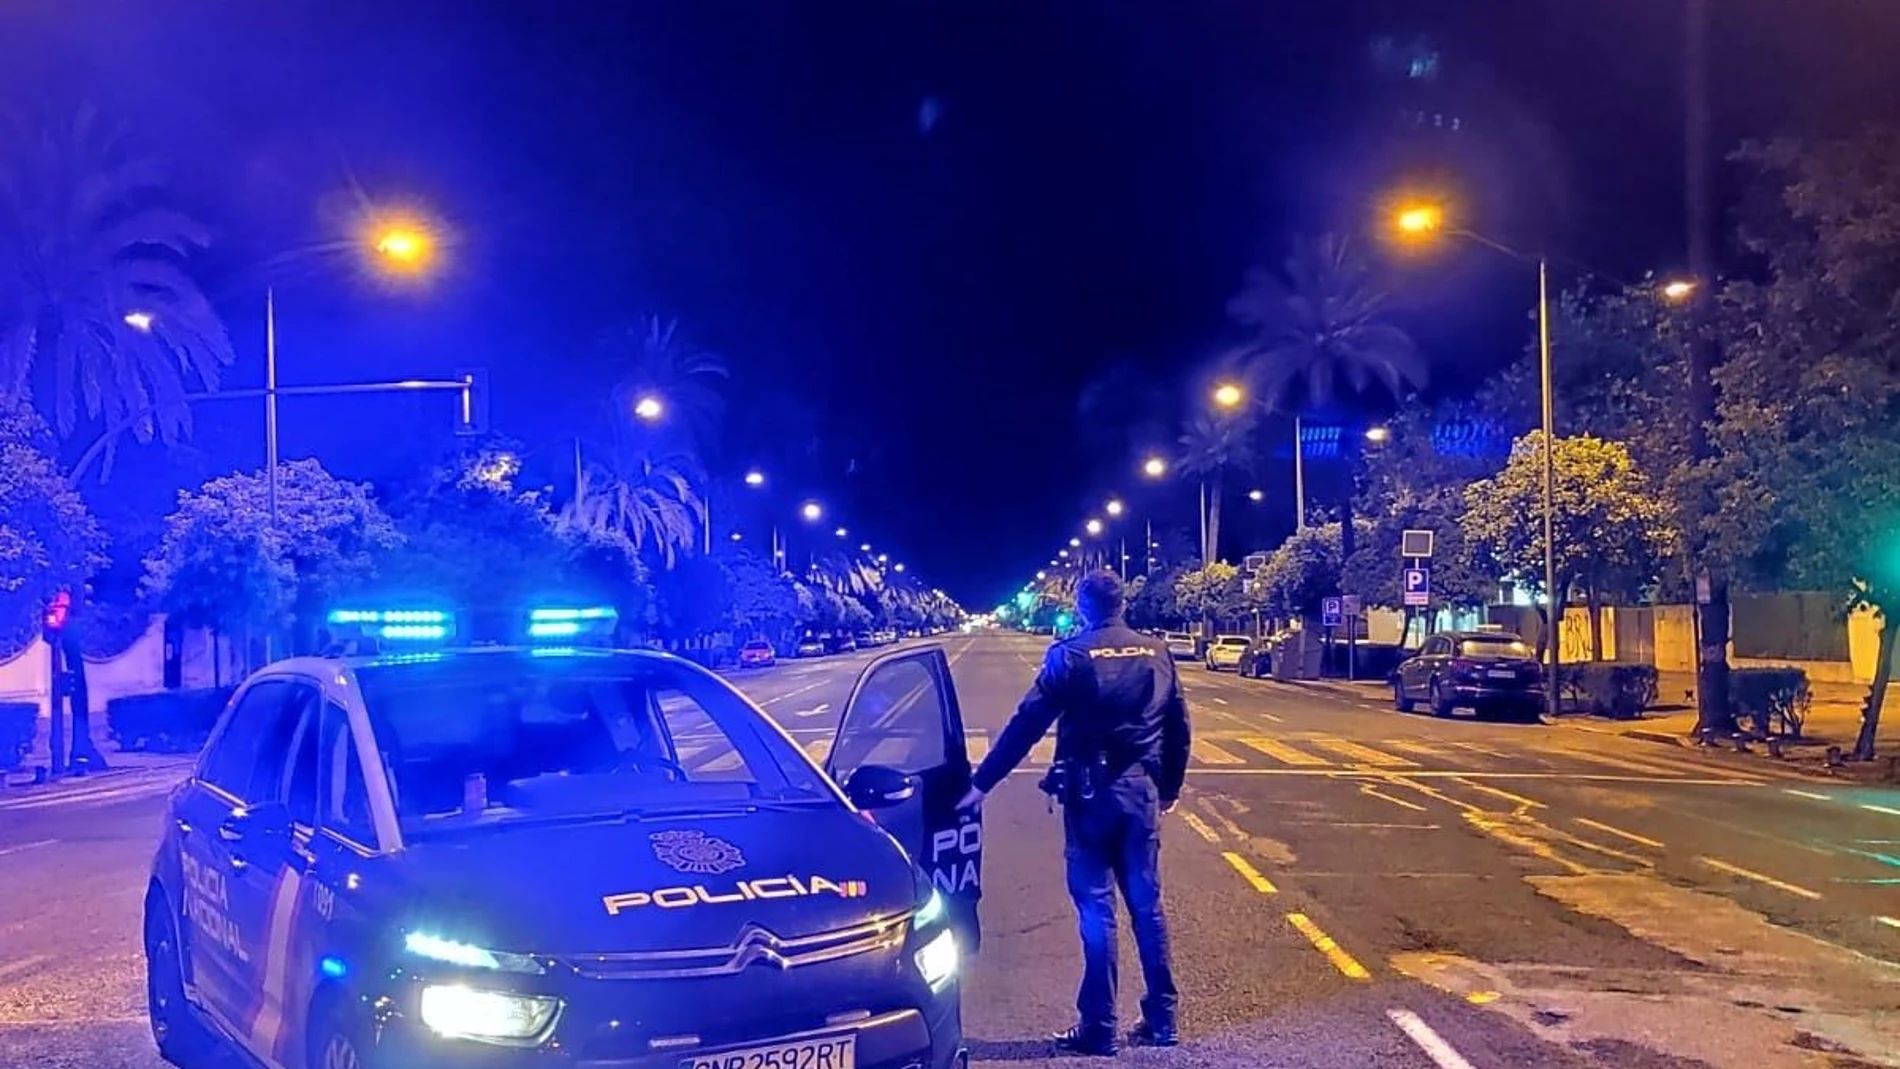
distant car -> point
(757, 653)
(841, 644)
(1225, 650)
(1256, 661)
(1491, 672)
(1180, 645)
(810, 646)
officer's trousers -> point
(1114, 840)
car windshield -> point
(1231, 640)
(1494, 647)
(485, 739)
(1177, 636)
(758, 645)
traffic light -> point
(471, 403)
(1063, 620)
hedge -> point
(1768, 695)
(18, 723)
(1611, 689)
(171, 721)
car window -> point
(301, 794)
(1233, 640)
(505, 738)
(1437, 647)
(1494, 647)
(343, 794)
(897, 720)
(251, 752)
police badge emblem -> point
(696, 852)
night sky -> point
(926, 289)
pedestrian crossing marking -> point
(1043, 753)
(1214, 755)
(1363, 754)
(818, 750)
(1281, 752)
(979, 746)
(1438, 751)
(726, 762)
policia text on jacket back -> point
(1121, 754)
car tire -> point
(1399, 701)
(331, 1042)
(1441, 704)
(181, 1037)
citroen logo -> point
(759, 947)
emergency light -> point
(560, 622)
(401, 625)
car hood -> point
(656, 885)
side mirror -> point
(879, 787)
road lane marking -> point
(1504, 794)
(1816, 795)
(1220, 701)
(1275, 719)
(1424, 773)
(1891, 922)
(1422, 749)
(979, 746)
(794, 693)
(1200, 827)
(1871, 808)
(818, 750)
(1347, 965)
(1630, 835)
(1043, 752)
(4, 851)
(1280, 751)
(1766, 881)
(1433, 1044)
(11, 969)
(1211, 754)
(821, 707)
(1250, 874)
(1374, 792)
(1363, 754)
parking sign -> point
(1418, 587)
(1330, 612)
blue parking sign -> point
(1331, 611)
(1418, 587)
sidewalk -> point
(122, 767)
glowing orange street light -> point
(1154, 468)
(403, 245)
(1420, 219)
(1678, 290)
(649, 408)
(1228, 395)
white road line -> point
(1751, 874)
(1630, 835)
(794, 693)
(815, 710)
(1220, 701)
(1816, 795)
(1890, 811)
(1433, 1044)
(1891, 922)
(4, 851)
(1275, 719)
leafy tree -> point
(764, 601)
(1302, 573)
(1411, 484)
(221, 564)
(49, 541)
(1152, 599)
(693, 598)
(472, 538)
(650, 502)
(1809, 470)
(1211, 593)
(659, 361)
(1612, 531)
(95, 304)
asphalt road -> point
(1348, 885)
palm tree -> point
(95, 304)
(1319, 332)
(659, 361)
(1211, 445)
(651, 502)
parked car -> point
(810, 646)
(757, 653)
(1256, 661)
(1225, 650)
(1180, 645)
(1491, 672)
(841, 643)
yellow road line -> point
(1630, 835)
(1250, 874)
(725, 762)
(1375, 792)
(1363, 754)
(1043, 753)
(1422, 749)
(1766, 881)
(1213, 755)
(978, 744)
(1344, 962)
(1200, 827)
(1507, 795)
(1280, 751)
(818, 750)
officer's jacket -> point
(1112, 695)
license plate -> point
(829, 1052)
(1502, 673)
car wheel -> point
(182, 1038)
(332, 1043)
(1399, 701)
(1441, 702)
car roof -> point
(1490, 636)
(389, 659)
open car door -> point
(902, 719)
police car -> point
(563, 855)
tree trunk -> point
(1211, 552)
(1348, 534)
(1594, 598)
(1714, 716)
(81, 697)
(1877, 696)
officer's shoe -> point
(1147, 1034)
(1094, 1040)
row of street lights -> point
(812, 513)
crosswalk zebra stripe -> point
(1281, 752)
(1363, 754)
(1209, 753)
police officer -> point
(1121, 755)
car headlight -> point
(937, 960)
(459, 1012)
(932, 911)
(448, 951)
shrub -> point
(1610, 688)
(18, 723)
(172, 721)
(1767, 695)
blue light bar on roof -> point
(562, 622)
(399, 625)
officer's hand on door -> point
(972, 799)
